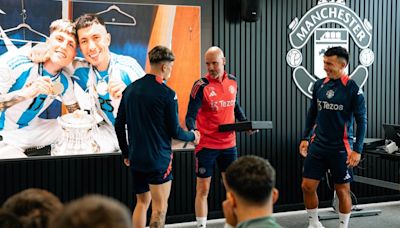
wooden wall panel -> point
(256, 54)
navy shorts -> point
(319, 160)
(205, 160)
(142, 180)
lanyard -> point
(101, 83)
(53, 77)
(58, 87)
(109, 71)
(99, 77)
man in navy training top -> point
(150, 110)
(328, 138)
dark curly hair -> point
(252, 178)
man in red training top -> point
(213, 101)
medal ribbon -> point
(53, 77)
(109, 71)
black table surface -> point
(383, 154)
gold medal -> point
(102, 88)
(58, 88)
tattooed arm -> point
(10, 99)
(72, 108)
(40, 86)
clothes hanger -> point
(7, 41)
(12, 50)
(23, 25)
(26, 26)
(116, 8)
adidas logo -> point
(213, 94)
(347, 177)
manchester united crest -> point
(231, 89)
(330, 93)
(324, 14)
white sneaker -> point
(318, 225)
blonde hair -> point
(63, 25)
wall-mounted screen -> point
(41, 124)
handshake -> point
(196, 137)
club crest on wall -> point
(311, 24)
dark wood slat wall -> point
(69, 177)
(256, 54)
(74, 176)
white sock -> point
(344, 220)
(313, 216)
(201, 222)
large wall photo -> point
(134, 29)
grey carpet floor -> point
(388, 218)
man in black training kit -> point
(149, 108)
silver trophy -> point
(77, 135)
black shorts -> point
(205, 160)
(319, 160)
(142, 180)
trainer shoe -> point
(318, 225)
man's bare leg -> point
(159, 194)
(201, 204)
(140, 212)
